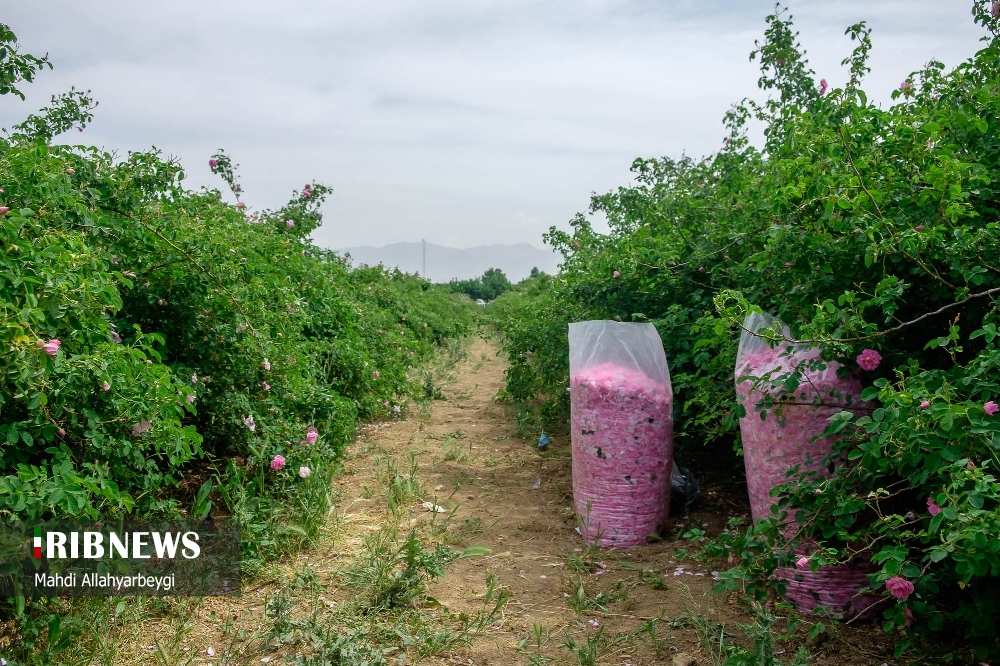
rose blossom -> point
(277, 463)
(899, 587)
(932, 508)
(990, 408)
(869, 359)
(311, 435)
(304, 472)
(50, 347)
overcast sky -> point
(465, 122)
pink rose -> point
(995, 9)
(869, 359)
(248, 422)
(267, 364)
(267, 387)
(615, 274)
(990, 408)
(822, 86)
(50, 347)
(277, 463)
(304, 472)
(194, 379)
(289, 224)
(105, 386)
(925, 404)
(70, 171)
(240, 204)
(213, 163)
(4, 210)
(190, 399)
(375, 375)
(311, 435)
(932, 508)
(802, 563)
(899, 587)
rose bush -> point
(163, 349)
(874, 233)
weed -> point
(715, 640)
(582, 601)
(647, 575)
(584, 653)
(539, 637)
(391, 572)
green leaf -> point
(474, 551)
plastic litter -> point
(684, 489)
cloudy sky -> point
(465, 122)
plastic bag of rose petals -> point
(621, 406)
(788, 395)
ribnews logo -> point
(164, 544)
(112, 558)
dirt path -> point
(486, 487)
(502, 493)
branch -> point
(887, 331)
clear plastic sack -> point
(788, 395)
(621, 405)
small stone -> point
(684, 659)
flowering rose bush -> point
(154, 331)
(873, 232)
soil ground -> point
(650, 605)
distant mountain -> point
(446, 263)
